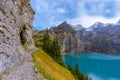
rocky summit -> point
(16, 18)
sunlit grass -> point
(51, 70)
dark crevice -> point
(3, 11)
(22, 36)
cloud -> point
(85, 12)
(61, 10)
(93, 11)
(88, 20)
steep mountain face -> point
(15, 31)
(68, 38)
(100, 38)
(103, 39)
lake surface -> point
(97, 66)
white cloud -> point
(61, 10)
(87, 20)
(52, 13)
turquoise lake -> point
(96, 66)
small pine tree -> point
(76, 69)
(46, 42)
(87, 77)
(56, 52)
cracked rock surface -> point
(23, 72)
(16, 18)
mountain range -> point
(98, 38)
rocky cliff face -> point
(105, 38)
(68, 38)
(98, 38)
(15, 31)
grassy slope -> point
(52, 70)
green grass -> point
(0, 76)
(50, 68)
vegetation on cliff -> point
(52, 48)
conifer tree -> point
(56, 52)
(46, 42)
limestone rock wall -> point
(68, 38)
(70, 44)
(16, 18)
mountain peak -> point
(78, 27)
(95, 26)
(98, 23)
(63, 24)
(64, 27)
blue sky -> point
(49, 13)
